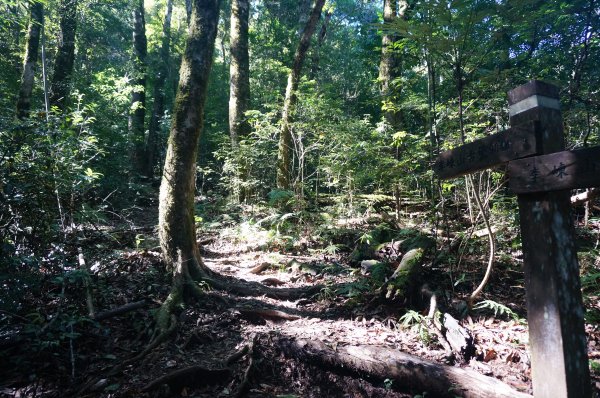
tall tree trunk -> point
(31, 55)
(239, 71)
(387, 62)
(284, 155)
(137, 112)
(316, 59)
(177, 231)
(60, 85)
(158, 106)
(188, 11)
(389, 69)
(390, 62)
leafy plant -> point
(499, 309)
(416, 322)
(388, 384)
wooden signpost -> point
(557, 338)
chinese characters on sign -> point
(487, 152)
(556, 171)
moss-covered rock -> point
(370, 241)
(410, 239)
(405, 277)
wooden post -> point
(557, 338)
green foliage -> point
(379, 273)
(416, 322)
(280, 198)
(46, 176)
(499, 309)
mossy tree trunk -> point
(36, 21)
(137, 113)
(239, 86)
(389, 70)
(316, 59)
(176, 209)
(158, 106)
(389, 66)
(284, 154)
(239, 71)
(60, 85)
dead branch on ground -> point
(407, 372)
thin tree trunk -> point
(388, 62)
(137, 112)
(285, 136)
(158, 106)
(188, 10)
(177, 230)
(31, 55)
(60, 85)
(389, 66)
(316, 60)
(239, 71)
(389, 69)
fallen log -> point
(408, 373)
(459, 338)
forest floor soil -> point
(228, 344)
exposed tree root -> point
(192, 376)
(236, 356)
(260, 268)
(253, 289)
(240, 391)
(189, 271)
(136, 305)
(406, 371)
(156, 341)
(197, 376)
(270, 314)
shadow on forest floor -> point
(229, 344)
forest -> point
(299, 198)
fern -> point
(416, 322)
(411, 319)
(499, 309)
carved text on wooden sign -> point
(514, 143)
(561, 170)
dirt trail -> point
(237, 346)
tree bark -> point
(316, 60)
(239, 71)
(177, 231)
(406, 371)
(137, 112)
(284, 157)
(158, 106)
(188, 11)
(387, 63)
(60, 85)
(390, 62)
(31, 55)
